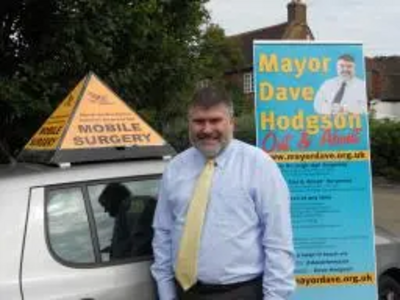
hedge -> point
(384, 137)
(385, 148)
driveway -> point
(387, 206)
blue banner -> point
(312, 118)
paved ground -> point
(387, 206)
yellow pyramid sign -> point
(93, 123)
(49, 135)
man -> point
(132, 232)
(115, 199)
(222, 226)
(344, 93)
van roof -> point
(21, 169)
(23, 175)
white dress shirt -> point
(354, 99)
(247, 230)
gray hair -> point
(211, 96)
(347, 57)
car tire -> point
(389, 288)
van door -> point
(90, 241)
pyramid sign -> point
(92, 123)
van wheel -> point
(389, 288)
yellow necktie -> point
(186, 267)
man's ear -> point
(233, 122)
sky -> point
(376, 23)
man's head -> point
(211, 121)
(112, 197)
(346, 67)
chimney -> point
(297, 12)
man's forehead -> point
(345, 62)
(212, 110)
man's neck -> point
(220, 153)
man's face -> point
(111, 209)
(345, 69)
(210, 130)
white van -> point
(59, 238)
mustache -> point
(202, 136)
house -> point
(295, 28)
(383, 75)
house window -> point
(248, 83)
(203, 83)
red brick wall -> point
(384, 77)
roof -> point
(289, 30)
(20, 176)
(245, 39)
(8, 171)
(295, 28)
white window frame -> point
(248, 83)
(203, 83)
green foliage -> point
(385, 148)
(245, 128)
(176, 133)
(145, 50)
(217, 54)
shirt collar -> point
(221, 158)
(348, 82)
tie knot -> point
(210, 162)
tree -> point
(214, 55)
(217, 55)
(144, 49)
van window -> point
(68, 226)
(123, 213)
